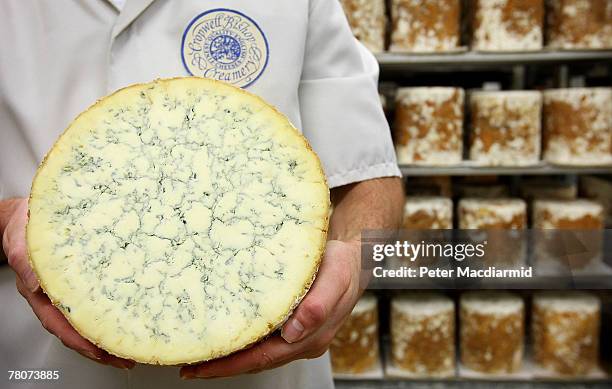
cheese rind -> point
(178, 221)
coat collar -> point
(131, 10)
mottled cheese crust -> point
(492, 331)
(507, 25)
(178, 221)
(565, 331)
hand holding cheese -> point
(178, 221)
(370, 204)
(184, 220)
(13, 223)
(311, 328)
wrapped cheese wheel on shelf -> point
(425, 26)
(428, 213)
(579, 24)
(423, 334)
(491, 332)
(578, 126)
(506, 128)
(506, 213)
(355, 348)
(501, 224)
(565, 331)
(423, 214)
(507, 25)
(429, 125)
(368, 21)
(567, 214)
(582, 220)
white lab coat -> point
(58, 57)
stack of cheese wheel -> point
(425, 26)
(565, 331)
(355, 347)
(578, 126)
(428, 213)
(423, 334)
(506, 127)
(491, 332)
(579, 24)
(368, 22)
(428, 125)
(499, 222)
(576, 219)
(421, 216)
(178, 221)
(492, 213)
(507, 25)
(579, 214)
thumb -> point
(331, 284)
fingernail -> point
(32, 282)
(293, 331)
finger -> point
(55, 322)
(329, 287)
(313, 347)
(306, 355)
(17, 254)
(109, 359)
(18, 261)
(262, 356)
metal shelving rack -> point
(397, 63)
(467, 170)
(467, 384)
(470, 59)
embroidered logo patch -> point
(225, 45)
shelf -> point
(578, 282)
(467, 170)
(466, 384)
(472, 60)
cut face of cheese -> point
(178, 221)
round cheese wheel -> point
(178, 221)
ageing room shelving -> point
(513, 70)
(466, 384)
(472, 60)
(467, 170)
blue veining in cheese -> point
(178, 221)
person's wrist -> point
(354, 246)
(360, 278)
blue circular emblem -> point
(225, 45)
(225, 49)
